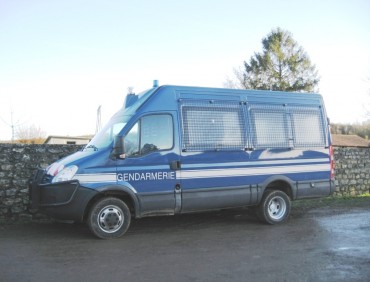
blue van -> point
(175, 149)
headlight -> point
(65, 174)
(54, 168)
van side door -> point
(214, 158)
(151, 150)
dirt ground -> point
(323, 240)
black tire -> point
(109, 218)
(274, 207)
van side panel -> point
(212, 180)
(234, 143)
(313, 189)
(215, 198)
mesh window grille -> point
(269, 126)
(213, 126)
(308, 129)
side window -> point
(307, 127)
(132, 141)
(270, 127)
(156, 133)
(213, 126)
(274, 126)
(149, 134)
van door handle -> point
(175, 165)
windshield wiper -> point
(92, 146)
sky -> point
(61, 60)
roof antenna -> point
(98, 120)
(155, 83)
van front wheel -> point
(109, 218)
(274, 207)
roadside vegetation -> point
(332, 202)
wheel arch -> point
(281, 183)
(123, 193)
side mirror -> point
(118, 151)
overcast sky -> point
(61, 60)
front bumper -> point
(64, 200)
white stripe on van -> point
(235, 172)
(257, 163)
(215, 173)
(96, 177)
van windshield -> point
(106, 135)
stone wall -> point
(352, 171)
(18, 162)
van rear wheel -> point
(109, 218)
(274, 207)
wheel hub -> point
(110, 219)
(276, 208)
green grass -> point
(342, 201)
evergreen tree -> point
(283, 65)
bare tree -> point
(367, 104)
(30, 134)
(236, 83)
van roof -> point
(166, 97)
(245, 94)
